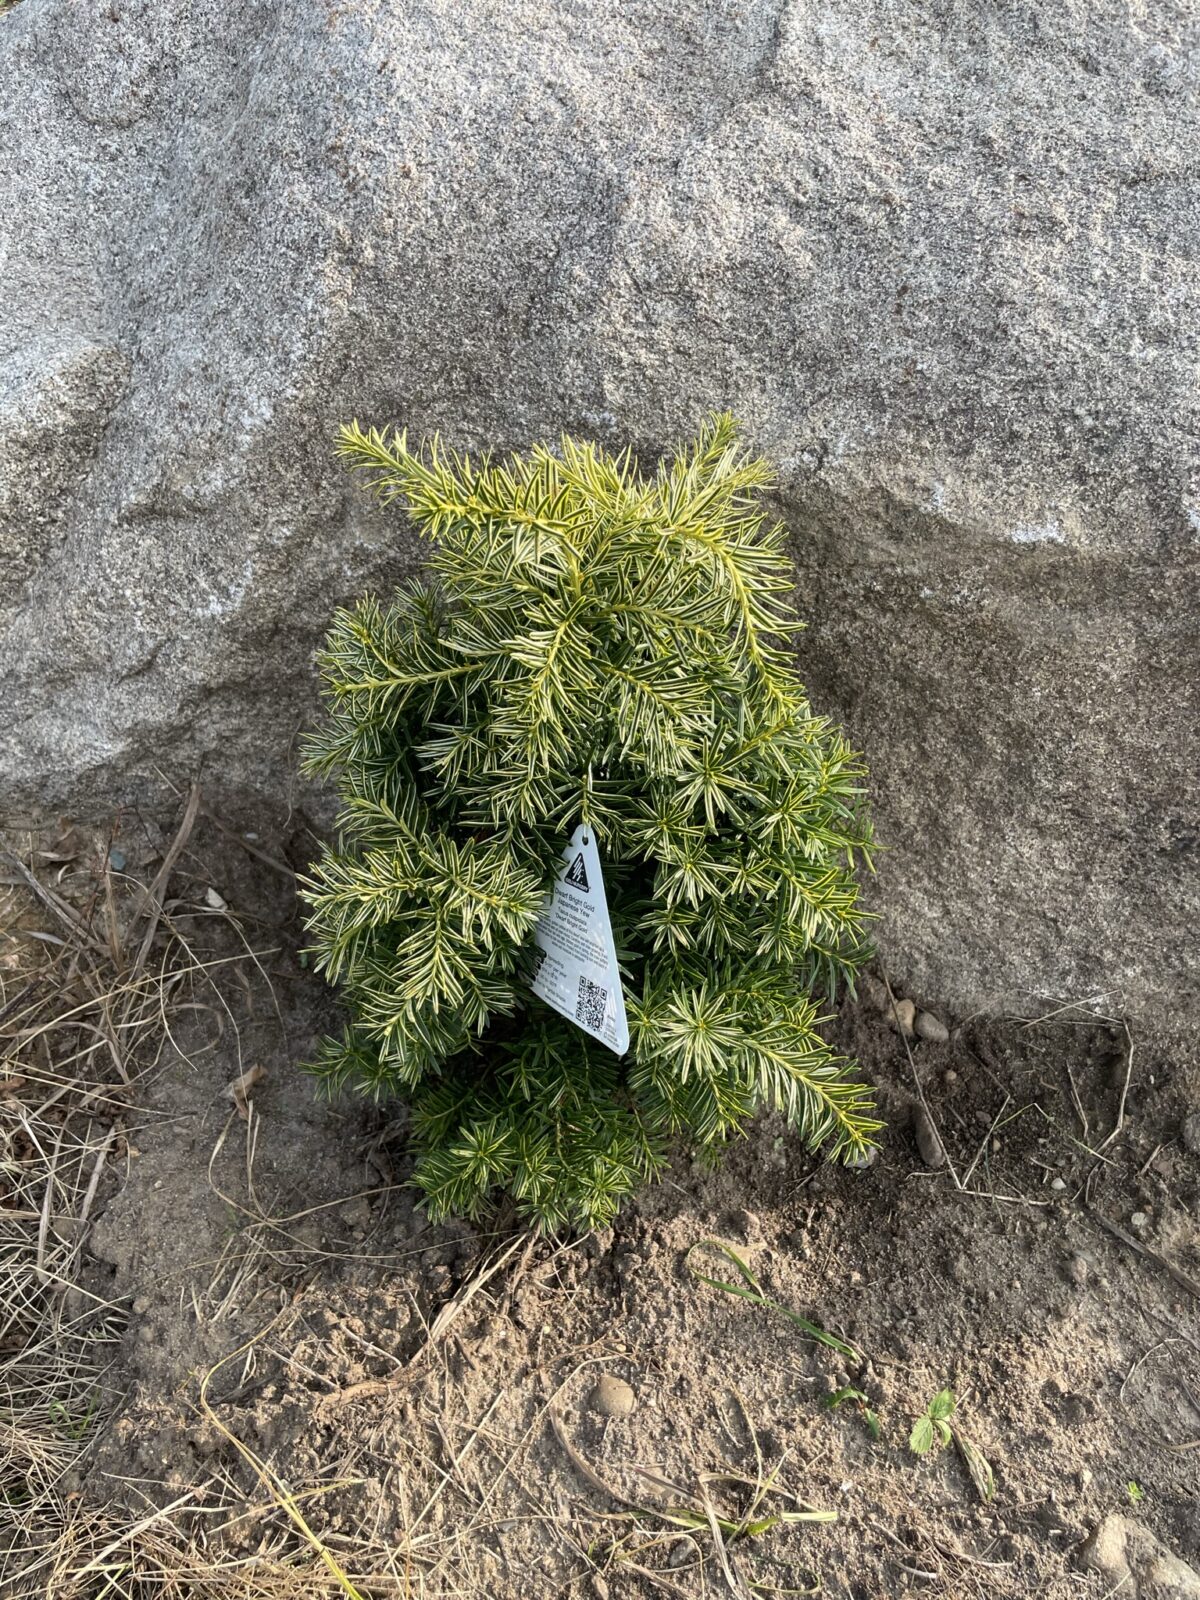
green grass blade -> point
(755, 1295)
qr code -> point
(591, 1004)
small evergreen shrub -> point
(589, 645)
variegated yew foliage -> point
(589, 643)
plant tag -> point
(576, 960)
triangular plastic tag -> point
(576, 961)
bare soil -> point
(427, 1396)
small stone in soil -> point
(866, 1158)
(612, 1397)
(745, 1224)
(356, 1213)
(874, 992)
(928, 1143)
(1077, 1270)
(439, 1279)
(1140, 1220)
(1130, 1558)
(902, 1017)
(932, 1028)
(1190, 1133)
(1057, 1185)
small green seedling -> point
(74, 1427)
(932, 1424)
(858, 1400)
(1136, 1493)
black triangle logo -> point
(576, 874)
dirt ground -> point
(295, 1345)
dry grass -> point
(96, 1557)
(96, 967)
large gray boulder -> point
(940, 258)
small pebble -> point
(140, 1306)
(599, 1587)
(1140, 1220)
(116, 859)
(866, 1158)
(932, 1028)
(355, 1213)
(928, 1143)
(439, 1279)
(1058, 1185)
(1190, 1133)
(949, 1076)
(612, 1397)
(746, 1225)
(683, 1553)
(902, 1017)
(1077, 1270)
(874, 992)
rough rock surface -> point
(940, 259)
(1136, 1564)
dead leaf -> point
(977, 1465)
(239, 1090)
